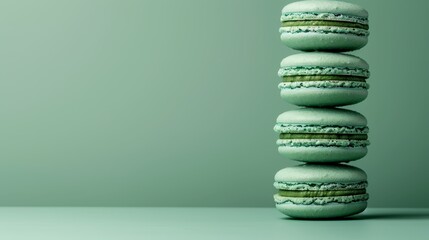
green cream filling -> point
(324, 23)
(309, 78)
(323, 136)
(328, 193)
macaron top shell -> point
(334, 7)
(322, 116)
(324, 59)
(331, 26)
(320, 173)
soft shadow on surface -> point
(320, 219)
(377, 216)
(392, 216)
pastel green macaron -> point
(323, 79)
(322, 135)
(314, 191)
(324, 26)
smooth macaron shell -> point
(317, 34)
(321, 178)
(323, 154)
(319, 97)
(322, 135)
(319, 212)
(347, 86)
(315, 41)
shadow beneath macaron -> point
(392, 216)
(372, 216)
(319, 219)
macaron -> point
(323, 79)
(322, 135)
(321, 191)
(324, 26)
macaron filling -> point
(307, 78)
(317, 186)
(304, 193)
(325, 30)
(323, 136)
(342, 143)
(324, 84)
(301, 135)
(324, 71)
(323, 77)
(309, 128)
(302, 23)
(328, 193)
(321, 200)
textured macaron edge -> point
(322, 143)
(323, 84)
(320, 177)
(318, 186)
(321, 200)
(324, 30)
(322, 64)
(297, 16)
(321, 70)
(311, 128)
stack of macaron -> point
(319, 134)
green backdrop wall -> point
(172, 103)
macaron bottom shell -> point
(323, 97)
(321, 154)
(318, 41)
(313, 211)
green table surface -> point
(204, 223)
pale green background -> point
(172, 103)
